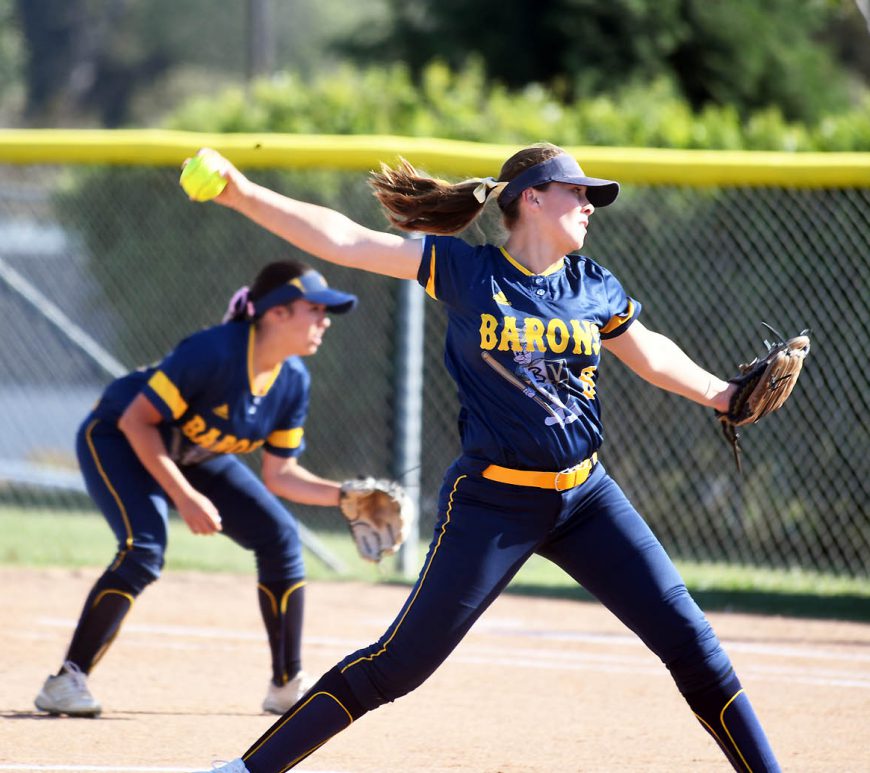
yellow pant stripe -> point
(419, 586)
(98, 656)
(273, 602)
(127, 596)
(725, 727)
(278, 725)
(112, 491)
(289, 592)
(271, 596)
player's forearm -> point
(149, 447)
(287, 479)
(306, 492)
(658, 360)
(669, 367)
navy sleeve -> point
(287, 439)
(180, 376)
(441, 269)
(622, 309)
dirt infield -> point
(541, 686)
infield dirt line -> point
(472, 653)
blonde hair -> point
(415, 202)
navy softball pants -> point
(485, 532)
(137, 508)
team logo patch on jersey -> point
(222, 410)
(498, 294)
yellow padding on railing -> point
(653, 166)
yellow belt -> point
(560, 481)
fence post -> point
(407, 452)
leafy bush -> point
(461, 104)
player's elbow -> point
(126, 422)
(271, 481)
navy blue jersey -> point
(524, 350)
(203, 389)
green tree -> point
(121, 62)
(79, 59)
(745, 53)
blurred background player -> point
(168, 435)
(527, 323)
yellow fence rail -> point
(649, 166)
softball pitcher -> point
(527, 325)
(168, 435)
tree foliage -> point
(116, 62)
(744, 53)
(462, 104)
(122, 62)
(79, 60)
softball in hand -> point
(201, 178)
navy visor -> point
(311, 287)
(560, 169)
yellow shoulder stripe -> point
(430, 283)
(619, 319)
(286, 438)
(168, 392)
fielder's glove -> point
(379, 514)
(764, 384)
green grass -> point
(77, 539)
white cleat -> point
(68, 694)
(234, 766)
(279, 699)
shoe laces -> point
(77, 676)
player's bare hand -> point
(236, 184)
(199, 513)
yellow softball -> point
(201, 179)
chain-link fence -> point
(106, 268)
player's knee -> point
(280, 558)
(140, 566)
(699, 664)
(381, 674)
(688, 645)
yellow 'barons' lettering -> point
(534, 329)
(510, 336)
(586, 340)
(536, 336)
(225, 444)
(246, 446)
(207, 439)
(193, 427)
(558, 336)
(488, 324)
(587, 379)
(198, 432)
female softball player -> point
(168, 435)
(527, 323)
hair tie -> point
(239, 305)
(487, 185)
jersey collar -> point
(552, 269)
(275, 371)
